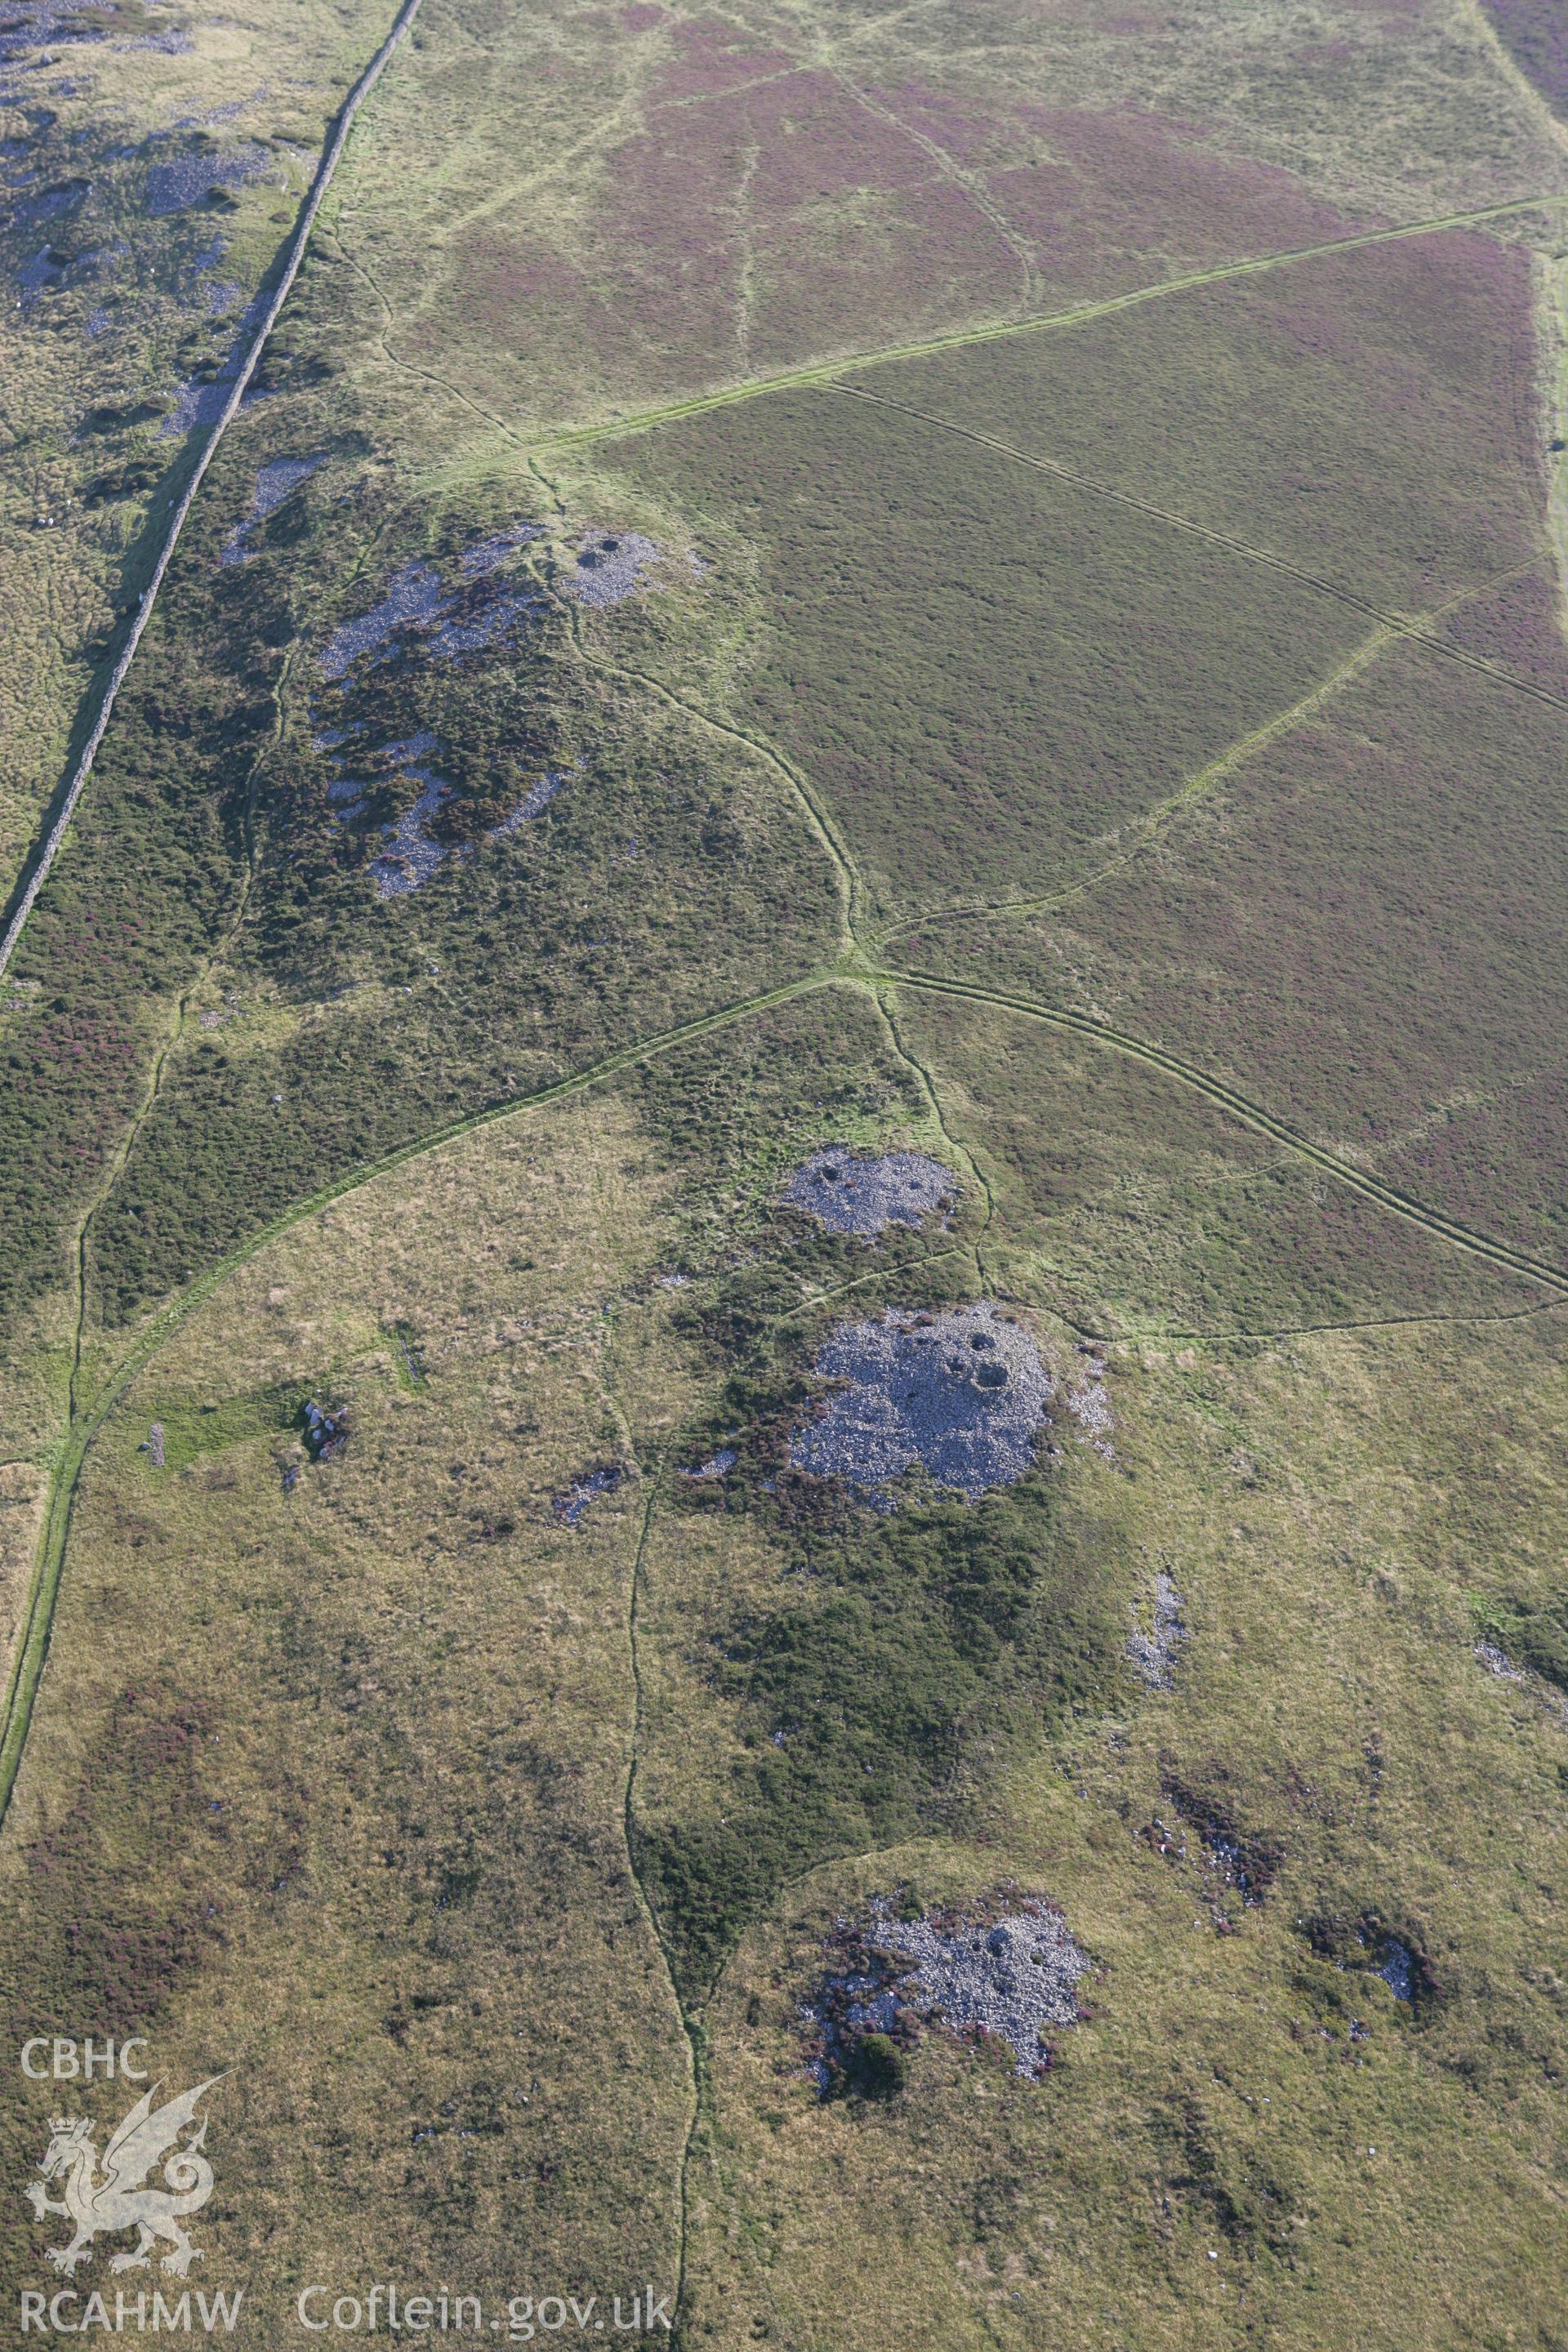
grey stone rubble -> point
(155, 1445)
(455, 621)
(184, 180)
(194, 404)
(570, 1507)
(179, 506)
(488, 614)
(50, 206)
(1014, 1976)
(417, 746)
(28, 29)
(174, 43)
(204, 403)
(1228, 1859)
(611, 566)
(1498, 1662)
(348, 792)
(411, 855)
(501, 617)
(537, 796)
(860, 1193)
(326, 1434)
(1397, 1969)
(1152, 1648)
(964, 1395)
(716, 1466)
(414, 597)
(274, 482)
(35, 275)
(1090, 1405)
(477, 563)
(230, 114)
(278, 478)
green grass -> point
(290, 1721)
(1149, 1208)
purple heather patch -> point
(1535, 34)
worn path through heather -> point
(1080, 314)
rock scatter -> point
(414, 597)
(537, 796)
(1011, 1973)
(326, 1434)
(1153, 1647)
(479, 612)
(611, 566)
(570, 1507)
(185, 180)
(1089, 1402)
(717, 1466)
(1496, 1662)
(1396, 1965)
(860, 1192)
(274, 482)
(412, 854)
(963, 1394)
(197, 404)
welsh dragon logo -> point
(118, 2197)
